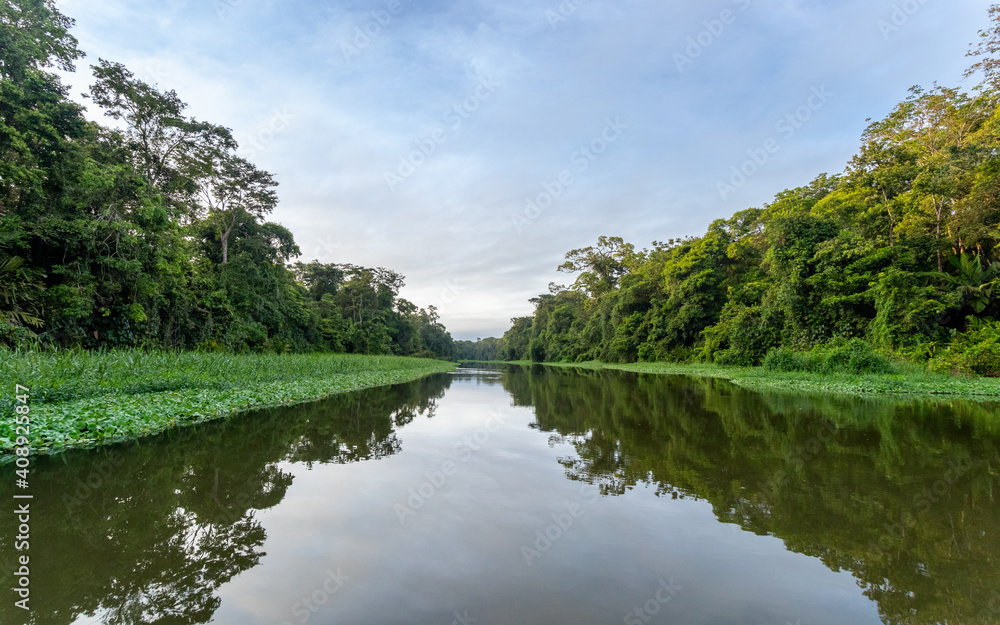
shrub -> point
(858, 357)
(16, 337)
(855, 357)
(974, 351)
(785, 360)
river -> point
(529, 496)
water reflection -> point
(903, 494)
(235, 522)
(147, 533)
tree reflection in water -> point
(902, 493)
(148, 532)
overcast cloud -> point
(412, 135)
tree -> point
(884, 171)
(988, 50)
(320, 279)
(230, 191)
(33, 35)
(602, 266)
(973, 282)
(162, 142)
(931, 130)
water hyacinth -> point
(83, 399)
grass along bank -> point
(85, 399)
(910, 380)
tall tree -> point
(160, 138)
(34, 35)
(601, 266)
(988, 50)
(230, 191)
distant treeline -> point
(155, 235)
(900, 252)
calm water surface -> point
(528, 496)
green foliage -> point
(87, 398)
(913, 381)
(785, 360)
(33, 35)
(976, 351)
(854, 357)
(482, 350)
(154, 234)
(804, 282)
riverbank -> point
(86, 399)
(914, 382)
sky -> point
(470, 144)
